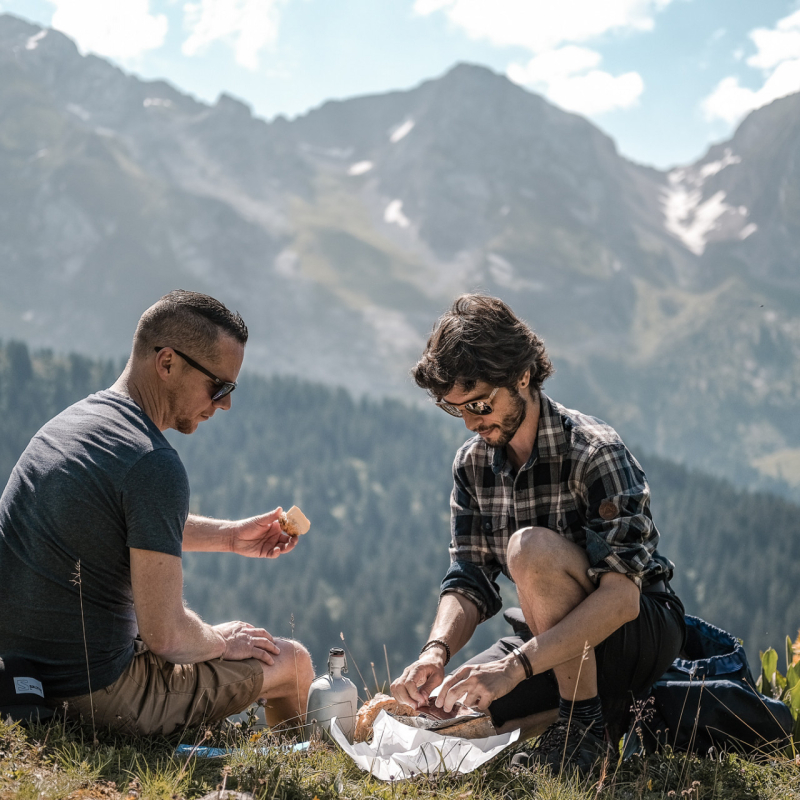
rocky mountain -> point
(668, 300)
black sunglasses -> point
(225, 387)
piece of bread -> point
(294, 522)
(366, 715)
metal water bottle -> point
(332, 695)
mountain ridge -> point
(668, 300)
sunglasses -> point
(481, 408)
(224, 387)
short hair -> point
(189, 321)
(480, 339)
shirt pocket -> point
(570, 522)
(496, 526)
(496, 530)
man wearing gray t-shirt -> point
(93, 522)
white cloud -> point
(568, 77)
(122, 30)
(555, 65)
(596, 92)
(248, 26)
(426, 7)
(564, 72)
(540, 25)
(776, 45)
(777, 56)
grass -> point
(59, 760)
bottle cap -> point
(336, 659)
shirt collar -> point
(551, 438)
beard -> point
(508, 426)
(183, 423)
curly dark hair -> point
(480, 339)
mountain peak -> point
(233, 105)
(465, 70)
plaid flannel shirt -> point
(580, 481)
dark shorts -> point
(629, 662)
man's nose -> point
(224, 402)
(472, 421)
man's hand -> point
(243, 640)
(261, 536)
(478, 685)
(418, 680)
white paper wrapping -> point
(398, 751)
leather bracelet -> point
(441, 643)
(526, 664)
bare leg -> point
(550, 574)
(286, 683)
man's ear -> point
(524, 380)
(165, 361)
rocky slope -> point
(669, 301)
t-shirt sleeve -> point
(155, 501)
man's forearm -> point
(456, 621)
(190, 641)
(203, 534)
(588, 624)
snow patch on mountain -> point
(287, 264)
(34, 40)
(394, 214)
(689, 219)
(713, 167)
(394, 334)
(401, 131)
(360, 167)
(80, 112)
(503, 273)
(748, 230)
(695, 220)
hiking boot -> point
(564, 747)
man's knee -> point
(293, 666)
(541, 551)
(305, 668)
(533, 548)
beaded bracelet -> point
(441, 643)
(523, 659)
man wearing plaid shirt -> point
(554, 500)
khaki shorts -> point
(154, 696)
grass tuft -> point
(60, 761)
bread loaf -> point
(367, 714)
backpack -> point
(709, 700)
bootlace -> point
(554, 738)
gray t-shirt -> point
(96, 480)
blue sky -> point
(665, 78)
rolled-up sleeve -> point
(620, 534)
(473, 568)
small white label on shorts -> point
(28, 686)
